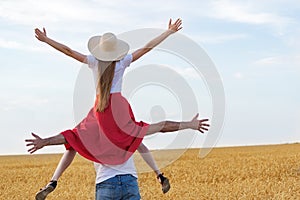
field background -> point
(255, 172)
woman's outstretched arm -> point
(42, 36)
(39, 142)
(173, 27)
(170, 126)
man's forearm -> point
(170, 126)
(55, 140)
(167, 126)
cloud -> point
(59, 11)
(244, 12)
(114, 13)
(238, 75)
(292, 39)
(285, 61)
(86, 16)
(9, 44)
(80, 17)
(213, 38)
(28, 12)
(18, 46)
(187, 72)
(22, 102)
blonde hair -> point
(106, 71)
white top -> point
(104, 172)
(121, 65)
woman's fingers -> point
(177, 21)
(40, 35)
(37, 31)
(175, 26)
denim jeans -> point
(120, 187)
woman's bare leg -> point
(64, 163)
(148, 158)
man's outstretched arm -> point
(39, 142)
(170, 126)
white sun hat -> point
(107, 47)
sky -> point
(254, 45)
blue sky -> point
(255, 46)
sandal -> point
(42, 194)
(164, 181)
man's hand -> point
(199, 125)
(37, 143)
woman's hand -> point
(176, 26)
(173, 27)
(41, 36)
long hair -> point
(106, 71)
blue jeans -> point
(120, 187)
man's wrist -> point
(185, 125)
(46, 141)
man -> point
(117, 182)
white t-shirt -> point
(104, 172)
(121, 65)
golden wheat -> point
(258, 172)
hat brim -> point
(118, 53)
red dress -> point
(108, 137)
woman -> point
(109, 134)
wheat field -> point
(254, 172)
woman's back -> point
(120, 67)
